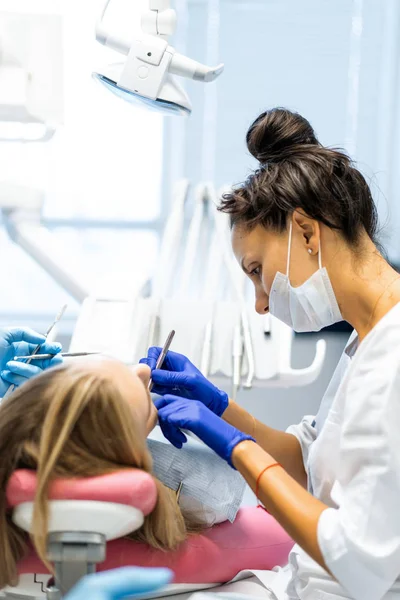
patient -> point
(92, 418)
(83, 419)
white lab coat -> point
(352, 457)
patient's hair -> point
(72, 422)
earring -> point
(309, 251)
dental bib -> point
(210, 487)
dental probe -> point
(178, 491)
(36, 350)
(163, 354)
(63, 354)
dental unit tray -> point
(120, 329)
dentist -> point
(304, 231)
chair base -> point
(74, 555)
(30, 587)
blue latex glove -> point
(180, 377)
(119, 583)
(22, 342)
(176, 413)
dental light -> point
(147, 75)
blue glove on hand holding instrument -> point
(180, 377)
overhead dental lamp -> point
(147, 75)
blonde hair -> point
(73, 422)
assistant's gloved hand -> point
(180, 377)
(176, 413)
(119, 583)
(22, 342)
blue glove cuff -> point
(240, 437)
(222, 404)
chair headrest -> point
(131, 487)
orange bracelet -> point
(262, 473)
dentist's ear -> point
(309, 229)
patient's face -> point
(143, 373)
(133, 385)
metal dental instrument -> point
(63, 354)
(36, 350)
(163, 354)
(178, 491)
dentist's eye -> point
(256, 272)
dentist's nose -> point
(262, 303)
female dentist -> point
(303, 230)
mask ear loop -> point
(289, 249)
(319, 255)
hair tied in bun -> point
(277, 134)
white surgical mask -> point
(309, 307)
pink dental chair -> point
(91, 516)
(84, 515)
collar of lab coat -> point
(352, 345)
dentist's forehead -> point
(245, 240)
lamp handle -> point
(159, 5)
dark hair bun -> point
(278, 133)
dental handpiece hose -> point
(163, 354)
